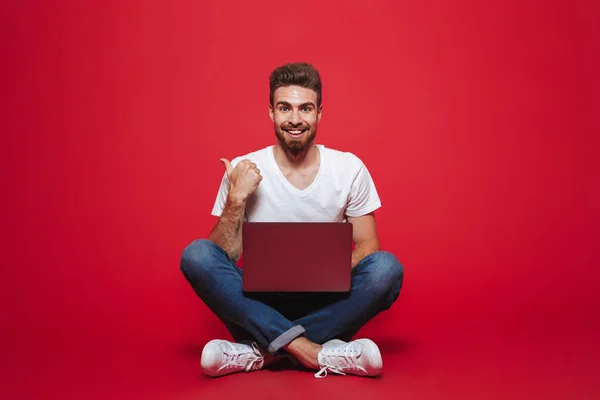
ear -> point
(319, 113)
(271, 113)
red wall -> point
(477, 120)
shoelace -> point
(323, 371)
(238, 355)
(339, 359)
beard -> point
(295, 146)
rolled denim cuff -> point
(285, 338)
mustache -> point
(289, 126)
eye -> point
(283, 109)
(306, 109)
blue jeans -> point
(275, 319)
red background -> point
(477, 119)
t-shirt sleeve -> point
(363, 197)
(221, 197)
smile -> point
(295, 133)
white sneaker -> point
(359, 357)
(221, 357)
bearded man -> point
(295, 180)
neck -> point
(302, 160)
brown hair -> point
(300, 74)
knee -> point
(197, 257)
(387, 275)
(386, 267)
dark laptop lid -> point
(296, 256)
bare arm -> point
(364, 235)
(227, 233)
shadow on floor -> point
(387, 345)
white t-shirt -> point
(343, 187)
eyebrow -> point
(285, 103)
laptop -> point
(296, 256)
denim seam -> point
(285, 338)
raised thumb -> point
(228, 167)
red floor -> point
(488, 358)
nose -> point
(295, 118)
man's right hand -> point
(244, 179)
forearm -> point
(362, 250)
(227, 233)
